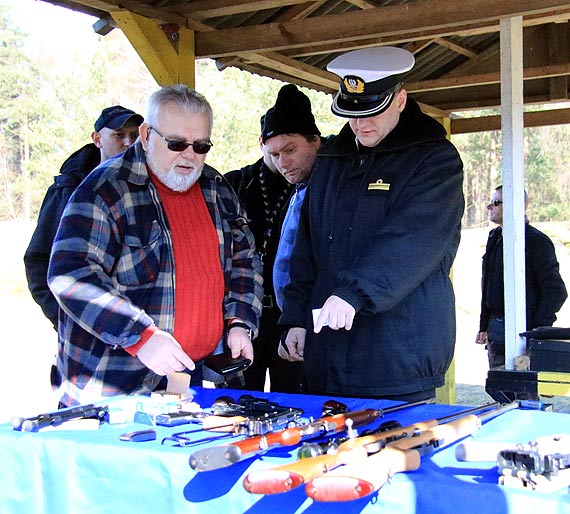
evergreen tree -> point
(20, 114)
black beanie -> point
(291, 114)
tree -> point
(20, 112)
(238, 100)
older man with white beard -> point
(153, 263)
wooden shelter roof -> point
(456, 44)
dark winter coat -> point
(245, 182)
(380, 229)
(545, 289)
(36, 259)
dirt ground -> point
(30, 341)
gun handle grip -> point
(362, 478)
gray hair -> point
(181, 95)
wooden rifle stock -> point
(287, 477)
(359, 479)
(222, 456)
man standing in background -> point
(545, 289)
(289, 141)
(115, 130)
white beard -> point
(172, 180)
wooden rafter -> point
(455, 42)
(204, 9)
(411, 18)
(362, 4)
(556, 70)
(531, 119)
(441, 41)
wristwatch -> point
(240, 324)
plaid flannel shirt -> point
(112, 272)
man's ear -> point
(144, 130)
(96, 137)
(401, 99)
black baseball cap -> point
(115, 117)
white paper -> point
(316, 313)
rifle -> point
(361, 478)
(222, 456)
(288, 476)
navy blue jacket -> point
(36, 259)
(380, 229)
(545, 289)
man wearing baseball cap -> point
(370, 304)
(114, 131)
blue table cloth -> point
(93, 472)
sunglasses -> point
(175, 145)
(495, 203)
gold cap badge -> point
(354, 85)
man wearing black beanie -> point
(264, 189)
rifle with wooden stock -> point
(359, 479)
(355, 451)
(217, 457)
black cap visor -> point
(347, 106)
(120, 121)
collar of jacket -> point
(414, 128)
(82, 161)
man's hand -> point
(164, 355)
(239, 343)
(482, 338)
(293, 347)
(337, 312)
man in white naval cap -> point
(370, 307)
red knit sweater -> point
(199, 286)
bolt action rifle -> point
(288, 476)
(217, 457)
(365, 476)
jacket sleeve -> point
(36, 257)
(419, 234)
(81, 269)
(549, 284)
